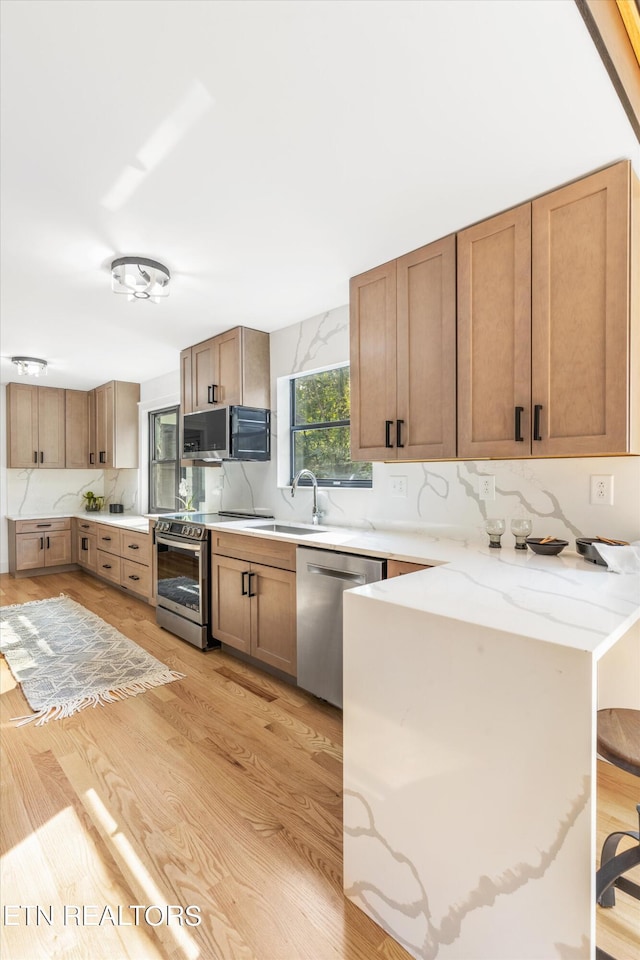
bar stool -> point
(619, 743)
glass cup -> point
(495, 529)
(521, 529)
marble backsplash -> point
(61, 491)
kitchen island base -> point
(469, 772)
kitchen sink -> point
(286, 528)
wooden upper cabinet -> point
(426, 352)
(581, 316)
(35, 426)
(117, 424)
(494, 336)
(231, 368)
(77, 409)
(372, 306)
(403, 357)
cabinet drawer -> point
(136, 547)
(109, 539)
(136, 577)
(43, 526)
(271, 553)
(108, 566)
(87, 527)
(397, 568)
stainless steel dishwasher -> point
(322, 576)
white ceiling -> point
(265, 151)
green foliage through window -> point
(320, 429)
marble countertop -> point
(562, 600)
(129, 521)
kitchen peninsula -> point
(470, 696)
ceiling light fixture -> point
(140, 278)
(30, 366)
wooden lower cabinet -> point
(254, 609)
(398, 568)
(39, 545)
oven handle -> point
(181, 544)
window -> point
(164, 465)
(320, 430)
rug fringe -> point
(33, 603)
(68, 708)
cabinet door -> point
(204, 374)
(372, 310)
(86, 554)
(92, 443)
(51, 427)
(22, 425)
(101, 425)
(30, 551)
(426, 352)
(77, 429)
(186, 403)
(230, 607)
(273, 617)
(228, 367)
(581, 315)
(57, 548)
(494, 336)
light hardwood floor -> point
(223, 791)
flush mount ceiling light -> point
(30, 366)
(140, 278)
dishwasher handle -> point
(356, 578)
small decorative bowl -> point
(550, 549)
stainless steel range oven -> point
(183, 594)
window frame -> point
(320, 425)
(153, 507)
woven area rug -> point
(66, 658)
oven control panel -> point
(188, 531)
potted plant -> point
(186, 496)
(92, 502)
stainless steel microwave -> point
(227, 433)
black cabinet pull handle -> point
(245, 592)
(536, 421)
(251, 575)
(48, 543)
(43, 524)
(103, 457)
(41, 457)
(132, 576)
(215, 393)
(92, 458)
(133, 546)
(107, 566)
(85, 543)
(518, 424)
(387, 433)
(399, 426)
(106, 538)
(85, 526)
(210, 393)
(35, 456)
(42, 543)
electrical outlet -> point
(487, 488)
(602, 490)
(398, 486)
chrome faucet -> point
(314, 513)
